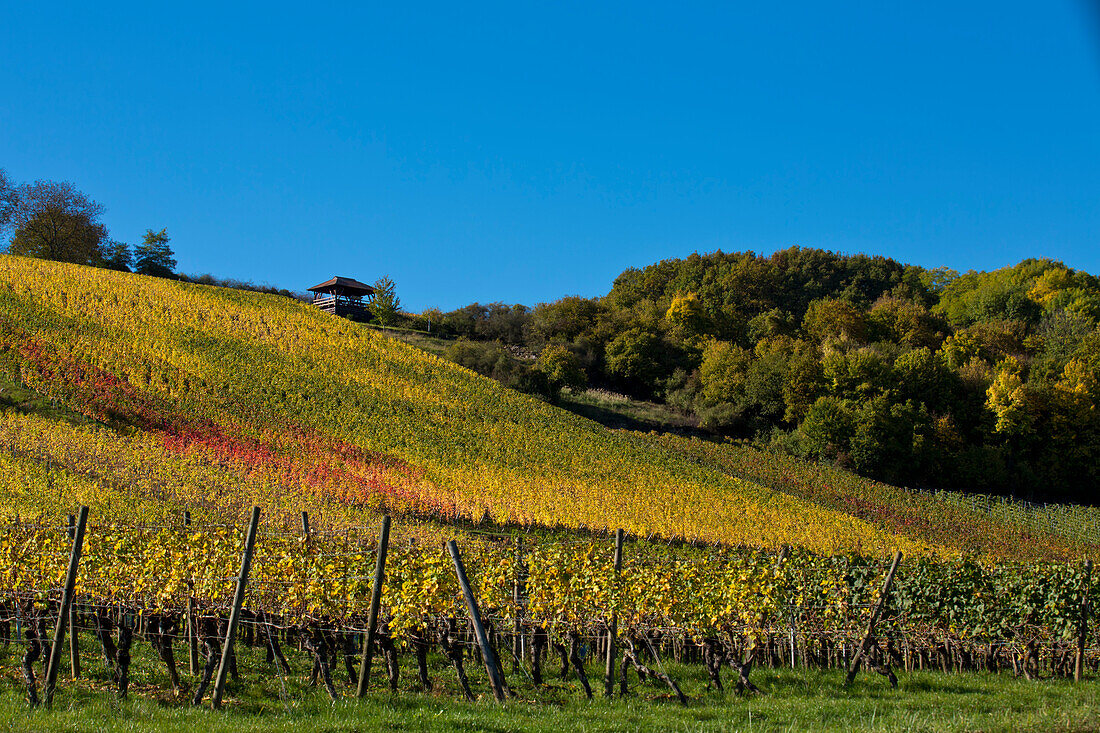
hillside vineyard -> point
(170, 409)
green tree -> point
(856, 374)
(888, 441)
(153, 256)
(634, 358)
(564, 319)
(803, 385)
(562, 368)
(923, 376)
(828, 429)
(833, 318)
(722, 373)
(905, 322)
(769, 324)
(117, 256)
(386, 304)
(7, 201)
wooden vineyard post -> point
(235, 612)
(487, 654)
(74, 643)
(192, 631)
(862, 648)
(74, 637)
(613, 625)
(1083, 626)
(519, 590)
(66, 604)
(375, 602)
(305, 524)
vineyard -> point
(968, 523)
(204, 395)
(186, 589)
(170, 410)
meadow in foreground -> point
(795, 700)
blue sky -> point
(521, 151)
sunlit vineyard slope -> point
(219, 397)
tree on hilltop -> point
(386, 304)
(117, 256)
(7, 201)
(153, 256)
(52, 221)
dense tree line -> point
(986, 380)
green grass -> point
(796, 700)
(618, 411)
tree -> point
(562, 368)
(53, 221)
(686, 316)
(386, 305)
(7, 201)
(639, 360)
(117, 256)
(828, 429)
(833, 318)
(564, 319)
(153, 256)
(1010, 399)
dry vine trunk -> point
(159, 633)
(452, 648)
(578, 665)
(630, 656)
(314, 642)
(539, 640)
(34, 651)
(420, 647)
(211, 651)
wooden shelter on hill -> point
(344, 297)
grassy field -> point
(796, 700)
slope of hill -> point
(968, 523)
(206, 397)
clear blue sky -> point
(522, 152)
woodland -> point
(919, 377)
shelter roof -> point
(346, 284)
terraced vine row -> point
(734, 605)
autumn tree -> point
(53, 221)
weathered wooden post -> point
(487, 654)
(192, 631)
(66, 605)
(862, 648)
(74, 637)
(613, 624)
(1083, 626)
(375, 602)
(235, 612)
(305, 523)
(519, 590)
